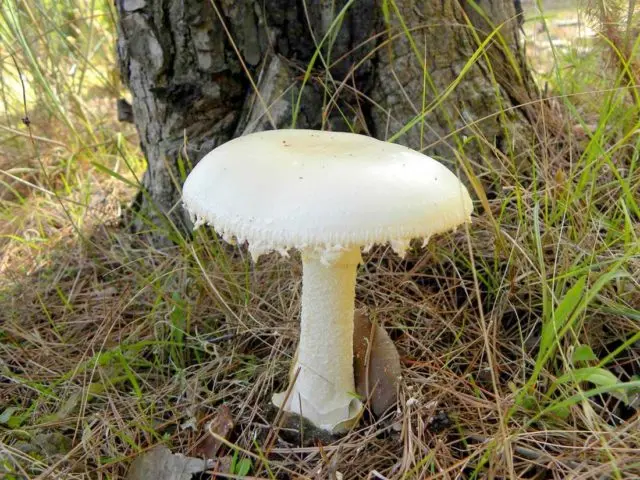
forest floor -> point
(519, 336)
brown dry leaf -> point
(160, 464)
(377, 368)
(221, 425)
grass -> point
(519, 335)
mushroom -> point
(325, 194)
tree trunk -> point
(203, 72)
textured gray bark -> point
(188, 64)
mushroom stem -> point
(324, 391)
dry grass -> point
(109, 345)
(96, 352)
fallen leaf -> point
(222, 424)
(160, 464)
(49, 445)
(6, 415)
(377, 368)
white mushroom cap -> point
(326, 191)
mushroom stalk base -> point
(324, 390)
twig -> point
(533, 454)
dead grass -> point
(92, 349)
(109, 345)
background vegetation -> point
(520, 335)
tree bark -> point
(203, 72)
